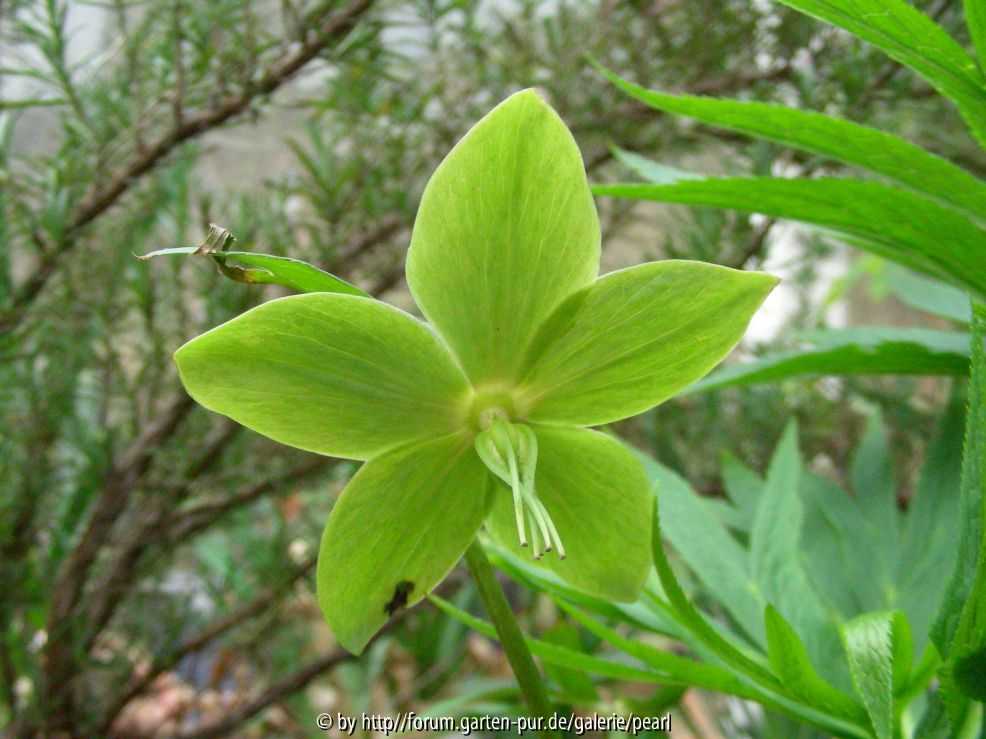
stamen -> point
(510, 452)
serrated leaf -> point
(865, 350)
(907, 35)
(894, 223)
(775, 556)
(718, 561)
(790, 663)
(869, 643)
(865, 147)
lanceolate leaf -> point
(291, 273)
(975, 20)
(506, 230)
(790, 662)
(400, 525)
(839, 139)
(913, 39)
(894, 223)
(636, 337)
(867, 350)
(869, 645)
(659, 174)
(929, 295)
(334, 374)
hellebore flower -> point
(479, 415)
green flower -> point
(480, 414)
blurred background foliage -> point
(157, 560)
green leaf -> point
(400, 525)
(291, 273)
(960, 615)
(894, 223)
(790, 663)
(333, 374)
(931, 523)
(929, 295)
(558, 655)
(573, 683)
(869, 643)
(975, 20)
(864, 350)
(635, 338)
(839, 139)
(775, 555)
(596, 492)
(872, 477)
(743, 485)
(506, 230)
(907, 35)
(718, 561)
(648, 169)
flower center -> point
(510, 451)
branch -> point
(104, 196)
(259, 604)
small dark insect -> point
(399, 600)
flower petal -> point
(635, 338)
(597, 494)
(507, 228)
(401, 524)
(330, 373)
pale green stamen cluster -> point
(510, 451)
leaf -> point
(506, 230)
(635, 338)
(869, 643)
(718, 561)
(329, 373)
(690, 617)
(893, 223)
(862, 146)
(911, 38)
(573, 683)
(597, 494)
(962, 599)
(400, 525)
(960, 631)
(790, 663)
(930, 296)
(647, 169)
(864, 350)
(291, 273)
(930, 525)
(558, 655)
(873, 484)
(743, 485)
(975, 20)
(775, 555)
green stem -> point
(526, 672)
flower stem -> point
(526, 672)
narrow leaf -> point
(868, 641)
(862, 146)
(975, 20)
(907, 35)
(928, 295)
(865, 350)
(894, 223)
(651, 171)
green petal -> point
(330, 373)
(635, 338)
(506, 230)
(597, 494)
(400, 525)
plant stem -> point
(526, 672)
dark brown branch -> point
(111, 189)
